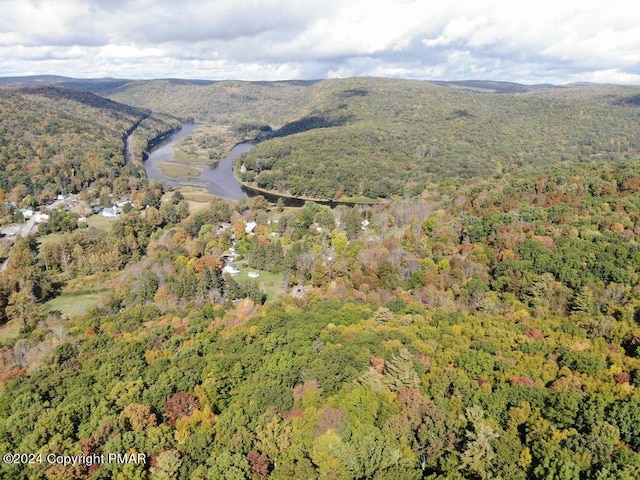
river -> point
(217, 180)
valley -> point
(456, 297)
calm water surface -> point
(218, 180)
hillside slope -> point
(379, 138)
(59, 140)
(228, 102)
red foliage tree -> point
(179, 405)
(259, 463)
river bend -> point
(217, 180)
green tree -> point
(21, 307)
(478, 453)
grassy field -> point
(51, 238)
(181, 156)
(101, 223)
(176, 170)
(73, 305)
(197, 197)
(196, 194)
(269, 282)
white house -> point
(111, 211)
(41, 218)
(27, 213)
(231, 270)
(250, 227)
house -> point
(27, 213)
(231, 270)
(41, 218)
(223, 227)
(250, 227)
(297, 291)
(113, 211)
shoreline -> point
(270, 195)
(248, 189)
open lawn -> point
(269, 282)
(98, 222)
(51, 238)
(73, 305)
(196, 194)
(101, 223)
(197, 197)
(177, 170)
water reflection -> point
(217, 180)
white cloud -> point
(279, 39)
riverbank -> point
(176, 170)
(220, 179)
(145, 135)
(292, 201)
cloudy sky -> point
(547, 41)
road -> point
(25, 230)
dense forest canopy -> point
(485, 323)
(382, 138)
(57, 140)
(225, 102)
(375, 138)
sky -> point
(557, 42)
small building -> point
(223, 227)
(41, 218)
(26, 213)
(297, 291)
(253, 274)
(250, 227)
(113, 211)
(231, 270)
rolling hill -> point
(383, 138)
(228, 102)
(61, 140)
(378, 138)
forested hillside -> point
(483, 324)
(487, 330)
(228, 102)
(57, 140)
(377, 138)
(370, 138)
